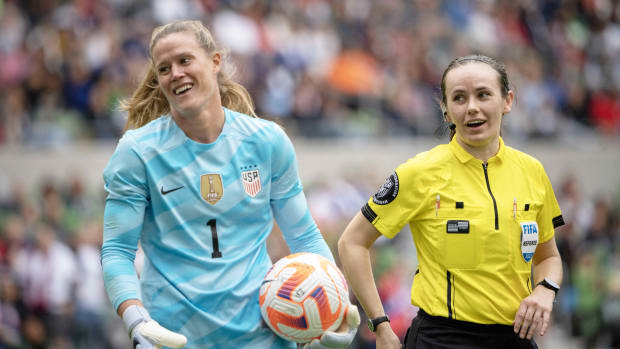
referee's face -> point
(475, 104)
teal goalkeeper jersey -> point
(202, 213)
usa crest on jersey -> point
(251, 182)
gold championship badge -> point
(211, 187)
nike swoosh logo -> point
(164, 192)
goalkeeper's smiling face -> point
(186, 73)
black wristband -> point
(550, 284)
(373, 323)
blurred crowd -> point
(51, 285)
(52, 294)
(351, 68)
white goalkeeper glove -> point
(146, 333)
(338, 340)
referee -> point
(481, 215)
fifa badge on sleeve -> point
(529, 240)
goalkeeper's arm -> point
(145, 332)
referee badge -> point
(529, 240)
(388, 191)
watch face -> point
(373, 323)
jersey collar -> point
(464, 156)
(228, 115)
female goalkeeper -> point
(197, 179)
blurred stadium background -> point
(354, 83)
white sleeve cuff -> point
(133, 315)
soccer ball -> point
(302, 296)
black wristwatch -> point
(373, 323)
(550, 284)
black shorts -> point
(436, 332)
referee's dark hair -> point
(500, 68)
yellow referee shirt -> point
(475, 227)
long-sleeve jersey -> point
(202, 213)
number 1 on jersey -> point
(216, 246)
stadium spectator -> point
(91, 303)
(10, 308)
(48, 273)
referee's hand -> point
(534, 313)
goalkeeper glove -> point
(146, 333)
(338, 340)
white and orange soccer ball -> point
(302, 296)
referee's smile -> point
(475, 123)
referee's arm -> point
(547, 263)
(535, 310)
(353, 249)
